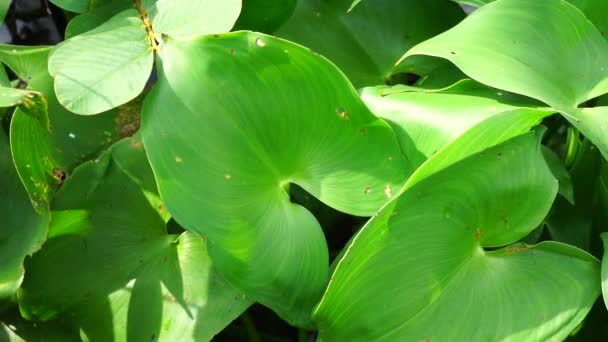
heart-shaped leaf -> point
(22, 231)
(116, 273)
(231, 122)
(366, 42)
(419, 270)
(546, 50)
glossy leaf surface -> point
(123, 58)
(421, 268)
(116, 273)
(22, 231)
(563, 70)
(426, 121)
(276, 114)
(190, 18)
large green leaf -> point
(105, 67)
(264, 15)
(366, 42)
(547, 50)
(42, 158)
(110, 266)
(22, 231)
(426, 121)
(419, 271)
(231, 122)
(190, 18)
(593, 9)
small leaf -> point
(103, 68)
(190, 18)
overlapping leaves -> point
(117, 274)
(420, 266)
(122, 49)
(277, 114)
(563, 72)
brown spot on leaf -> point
(478, 233)
(519, 248)
(367, 191)
(178, 159)
(259, 42)
(342, 113)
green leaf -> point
(264, 15)
(22, 231)
(116, 273)
(572, 222)
(366, 42)
(419, 270)
(92, 19)
(4, 5)
(604, 237)
(191, 18)
(10, 97)
(103, 68)
(593, 9)
(44, 158)
(546, 50)
(557, 167)
(78, 6)
(426, 121)
(255, 114)
(13, 328)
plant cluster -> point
(172, 162)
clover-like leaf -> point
(116, 273)
(233, 120)
(105, 67)
(22, 230)
(366, 42)
(190, 18)
(546, 50)
(44, 157)
(420, 270)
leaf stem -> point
(143, 14)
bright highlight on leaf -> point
(514, 54)
(122, 49)
(117, 274)
(419, 271)
(276, 114)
